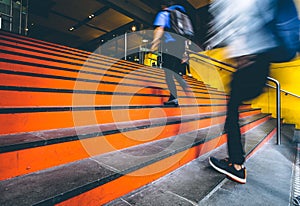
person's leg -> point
(177, 67)
(182, 70)
(232, 166)
(232, 128)
(188, 69)
(181, 82)
(172, 65)
(169, 64)
(247, 83)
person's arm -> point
(157, 35)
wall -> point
(288, 74)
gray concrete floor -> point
(269, 182)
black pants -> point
(172, 64)
(247, 83)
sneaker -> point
(190, 75)
(173, 102)
(226, 167)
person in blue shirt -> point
(173, 48)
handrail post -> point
(278, 109)
(278, 90)
(125, 46)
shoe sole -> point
(233, 177)
(171, 105)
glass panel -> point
(5, 23)
(5, 6)
(13, 15)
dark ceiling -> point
(85, 24)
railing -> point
(15, 14)
(7, 16)
(278, 94)
(285, 92)
(278, 108)
(278, 90)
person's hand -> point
(155, 45)
(158, 33)
(185, 58)
(245, 61)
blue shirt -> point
(163, 19)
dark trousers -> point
(247, 83)
(172, 66)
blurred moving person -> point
(243, 27)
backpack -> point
(286, 29)
(181, 24)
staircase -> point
(79, 128)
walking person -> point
(173, 49)
(243, 27)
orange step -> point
(81, 62)
(51, 47)
(27, 119)
(89, 180)
(29, 152)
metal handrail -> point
(7, 15)
(278, 90)
(284, 91)
(229, 65)
(278, 108)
